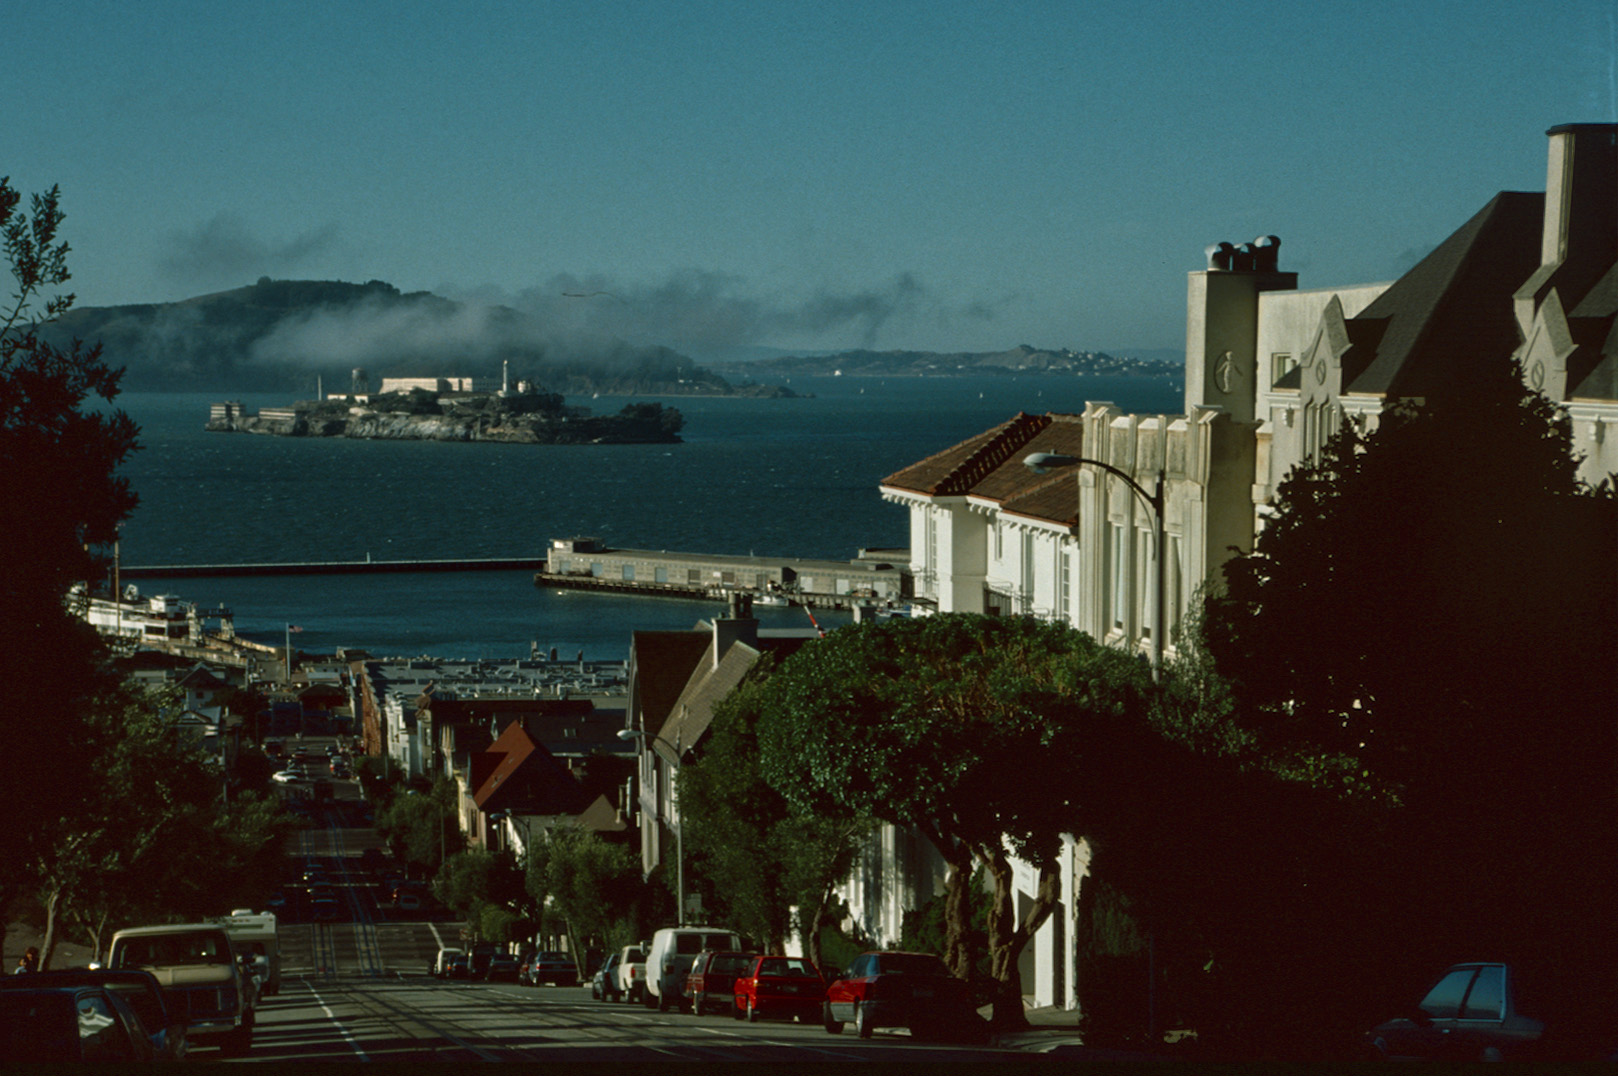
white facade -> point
(1271, 374)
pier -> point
(332, 567)
(874, 577)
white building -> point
(1271, 373)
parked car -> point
(458, 966)
(780, 986)
(502, 966)
(1489, 1011)
(409, 902)
(163, 1025)
(632, 973)
(604, 983)
(668, 961)
(65, 1023)
(439, 968)
(551, 967)
(898, 989)
(712, 982)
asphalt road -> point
(415, 1018)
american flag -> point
(293, 627)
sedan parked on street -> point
(780, 986)
(896, 989)
(551, 967)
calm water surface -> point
(788, 478)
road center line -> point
(338, 1023)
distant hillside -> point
(1021, 359)
(279, 335)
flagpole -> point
(289, 657)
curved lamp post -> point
(679, 829)
(1043, 462)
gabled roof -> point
(201, 678)
(662, 662)
(693, 711)
(1453, 309)
(1594, 324)
(516, 773)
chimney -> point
(1580, 235)
(1581, 210)
(738, 627)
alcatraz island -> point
(453, 409)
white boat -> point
(770, 599)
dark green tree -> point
(421, 828)
(762, 856)
(591, 888)
(980, 733)
(61, 501)
(1436, 599)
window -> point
(1064, 581)
(629, 572)
(1117, 555)
(1443, 1001)
(999, 541)
(1145, 570)
(1487, 998)
(1281, 364)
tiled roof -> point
(957, 470)
(1453, 309)
(516, 773)
(990, 467)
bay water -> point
(775, 478)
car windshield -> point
(161, 950)
(910, 964)
(731, 964)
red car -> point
(909, 990)
(786, 986)
(712, 982)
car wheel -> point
(752, 1012)
(862, 1021)
(662, 1003)
(736, 1009)
(833, 1027)
(696, 1005)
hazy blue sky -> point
(948, 174)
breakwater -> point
(331, 567)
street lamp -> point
(1043, 462)
(679, 829)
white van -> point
(256, 935)
(669, 958)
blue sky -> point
(947, 175)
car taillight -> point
(632, 973)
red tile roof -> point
(989, 466)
